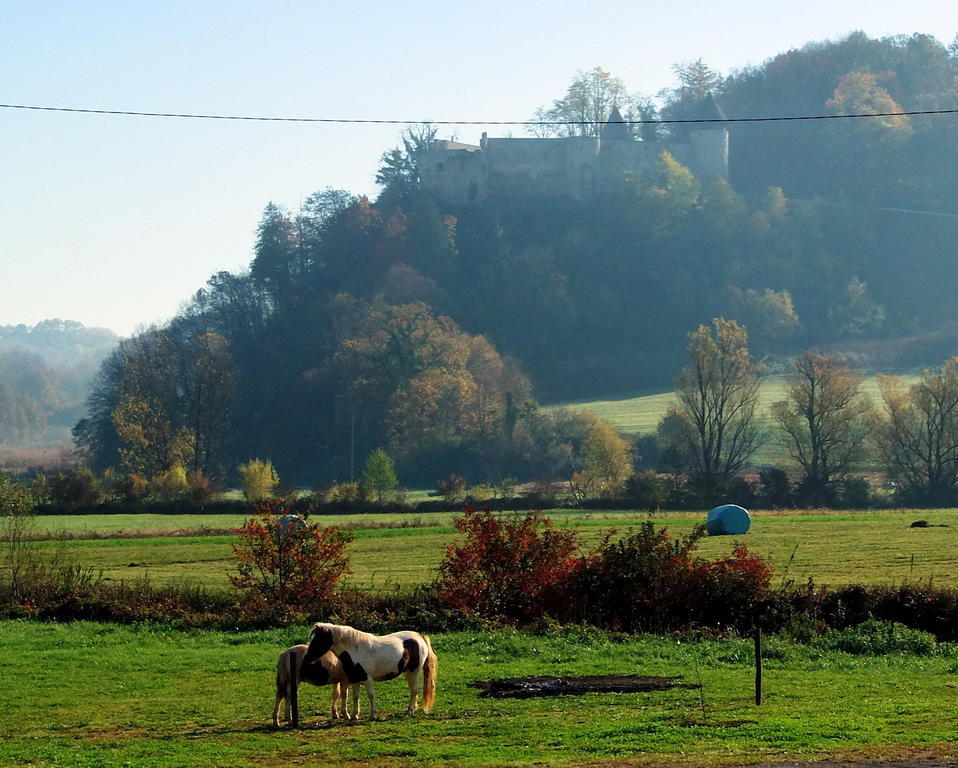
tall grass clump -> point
(878, 638)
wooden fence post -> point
(293, 691)
(758, 665)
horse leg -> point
(412, 680)
(355, 712)
(371, 695)
(333, 713)
(280, 698)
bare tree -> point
(825, 422)
(718, 392)
(586, 106)
(920, 442)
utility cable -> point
(784, 118)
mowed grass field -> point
(641, 415)
(90, 695)
(832, 548)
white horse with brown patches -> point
(370, 658)
(326, 670)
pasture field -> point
(833, 548)
(641, 415)
(82, 695)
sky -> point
(114, 221)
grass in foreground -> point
(104, 695)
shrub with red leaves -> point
(287, 566)
(648, 581)
(508, 569)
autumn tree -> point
(825, 423)
(718, 394)
(919, 443)
(586, 106)
(436, 390)
(147, 412)
(608, 461)
(257, 478)
(770, 315)
(209, 393)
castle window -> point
(440, 166)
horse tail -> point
(429, 671)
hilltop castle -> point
(577, 166)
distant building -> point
(577, 166)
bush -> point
(200, 488)
(776, 490)
(855, 493)
(286, 567)
(647, 490)
(16, 534)
(14, 498)
(257, 479)
(878, 638)
(452, 489)
(480, 493)
(350, 492)
(516, 570)
(77, 487)
(170, 485)
(647, 581)
(133, 488)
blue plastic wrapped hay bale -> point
(728, 520)
(289, 523)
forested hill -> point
(45, 373)
(405, 322)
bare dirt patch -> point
(530, 687)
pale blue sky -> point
(114, 221)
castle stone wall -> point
(574, 167)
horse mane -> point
(341, 633)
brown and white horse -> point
(370, 658)
(326, 670)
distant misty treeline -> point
(408, 323)
(45, 375)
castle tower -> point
(710, 142)
(616, 145)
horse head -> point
(320, 641)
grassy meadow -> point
(101, 695)
(641, 415)
(104, 695)
(833, 548)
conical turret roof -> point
(616, 127)
(711, 109)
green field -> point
(99, 695)
(641, 415)
(830, 547)
(102, 695)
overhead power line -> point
(369, 121)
